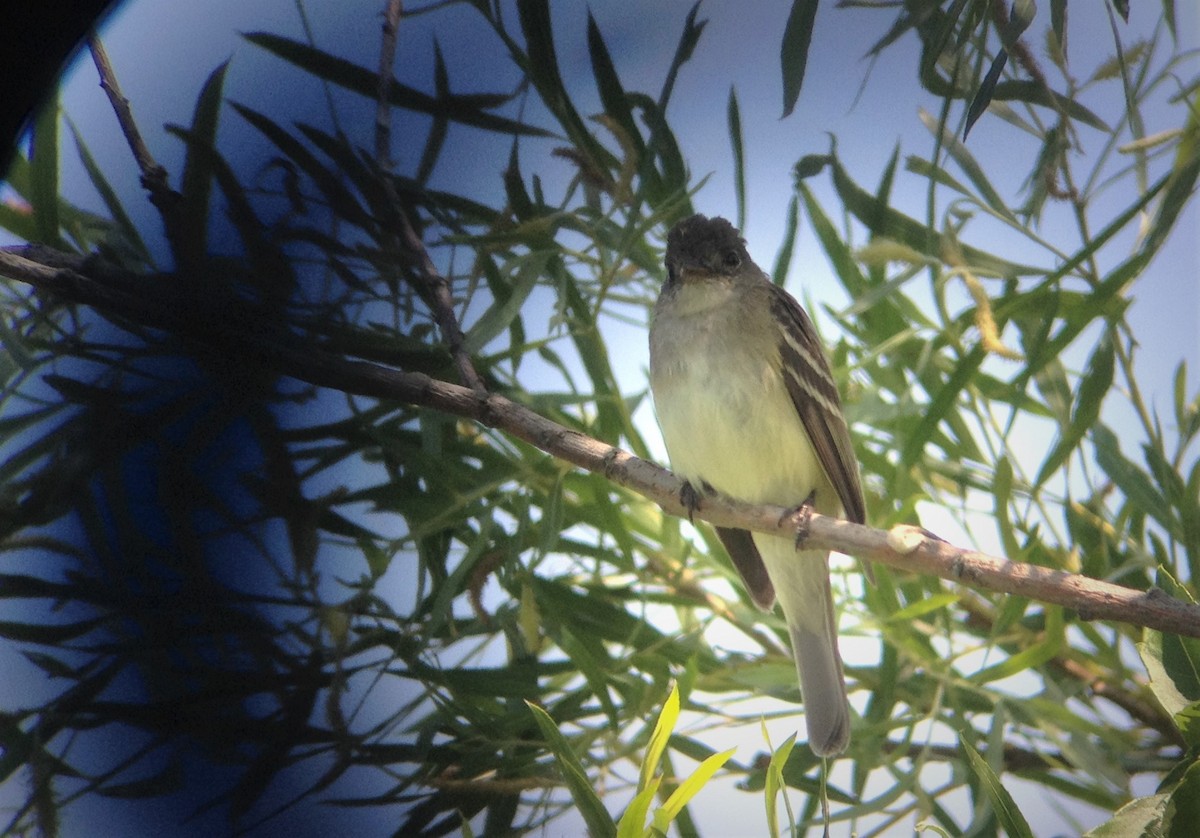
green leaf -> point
(683, 52)
(608, 85)
(592, 666)
(775, 782)
(497, 318)
(1140, 817)
(734, 118)
(1173, 664)
(1010, 817)
(633, 822)
(667, 717)
(169, 779)
(1031, 657)
(43, 176)
(542, 67)
(1019, 19)
(468, 109)
(441, 123)
(273, 271)
(783, 259)
(598, 821)
(923, 607)
(196, 185)
(689, 788)
(793, 54)
(1184, 810)
(1139, 489)
(970, 167)
(109, 196)
(1093, 387)
(46, 633)
(1181, 184)
(340, 199)
(884, 221)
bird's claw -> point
(802, 515)
(690, 498)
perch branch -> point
(143, 302)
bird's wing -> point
(814, 394)
(749, 564)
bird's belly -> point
(730, 422)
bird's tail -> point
(802, 586)
(826, 708)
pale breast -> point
(725, 413)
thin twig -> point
(434, 288)
(907, 549)
(153, 176)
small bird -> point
(749, 408)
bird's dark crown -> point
(702, 245)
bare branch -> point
(433, 288)
(904, 548)
(154, 176)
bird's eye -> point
(731, 259)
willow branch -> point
(432, 286)
(153, 175)
(143, 302)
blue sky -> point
(163, 51)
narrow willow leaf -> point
(441, 123)
(273, 272)
(882, 220)
(1093, 387)
(466, 109)
(987, 88)
(502, 312)
(683, 52)
(793, 54)
(734, 118)
(689, 788)
(783, 259)
(657, 745)
(1036, 93)
(923, 607)
(970, 166)
(109, 196)
(169, 779)
(542, 68)
(196, 184)
(944, 403)
(1029, 658)
(340, 199)
(1168, 16)
(1184, 811)
(1136, 485)
(608, 84)
(592, 665)
(1185, 171)
(1010, 817)
(633, 822)
(1173, 664)
(1141, 816)
(43, 176)
(599, 822)
(775, 783)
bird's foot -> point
(802, 515)
(690, 498)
